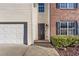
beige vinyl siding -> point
(17, 12)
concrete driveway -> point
(12, 50)
(24, 50)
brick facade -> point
(61, 14)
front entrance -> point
(41, 31)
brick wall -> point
(61, 14)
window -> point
(64, 25)
(41, 7)
(71, 25)
(66, 28)
(66, 5)
(63, 31)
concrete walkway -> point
(23, 50)
(40, 51)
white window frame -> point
(67, 27)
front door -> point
(41, 31)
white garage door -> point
(12, 33)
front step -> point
(41, 41)
(44, 43)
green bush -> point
(61, 41)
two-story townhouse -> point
(23, 23)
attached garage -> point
(16, 23)
(14, 33)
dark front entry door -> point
(41, 31)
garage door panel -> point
(12, 33)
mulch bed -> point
(70, 51)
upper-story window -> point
(41, 7)
(67, 5)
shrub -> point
(61, 41)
